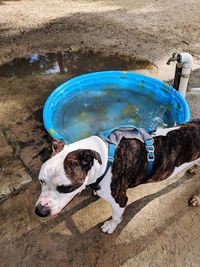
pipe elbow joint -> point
(186, 60)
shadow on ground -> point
(44, 245)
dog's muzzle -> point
(42, 211)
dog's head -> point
(62, 177)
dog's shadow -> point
(130, 211)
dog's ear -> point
(83, 157)
(57, 146)
(86, 158)
(77, 164)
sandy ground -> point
(159, 229)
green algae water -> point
(93, 111)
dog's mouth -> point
(56, 215)
(53, 216)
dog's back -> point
(178, 146)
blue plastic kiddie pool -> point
(95, 102)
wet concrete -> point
(24, 142)
(13, 175)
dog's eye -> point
(66, 188)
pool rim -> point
(48, 123)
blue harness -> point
(138, 133)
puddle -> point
(68, 62)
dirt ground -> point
(159, 228)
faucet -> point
(175, 57)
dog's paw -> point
(194, 201)
(193, 170)
(109, 226)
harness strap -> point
(148, 141)
(150, 156)
(111, 152)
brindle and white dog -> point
(79, 164)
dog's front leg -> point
(110, 225)
(117, 212)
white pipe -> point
(195, 90)
(186, 65)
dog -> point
(75, 166)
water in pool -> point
(94, 111)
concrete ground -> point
(159, 228)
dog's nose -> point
(42, 211)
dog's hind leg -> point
(194, 169)
(194, 201)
